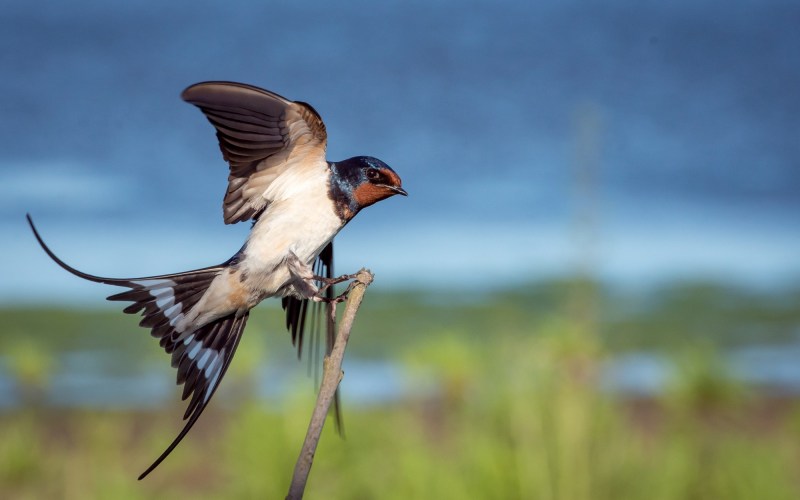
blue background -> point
(638, 141)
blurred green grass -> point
(516, 411)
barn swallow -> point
(298, 201)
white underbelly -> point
(302, 229)
(299, 220)
(262, 270)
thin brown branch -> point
(331, 376)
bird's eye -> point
(373, 174)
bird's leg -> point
(303, 277)
(304, 281)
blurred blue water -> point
(97, 379)
(671, 127)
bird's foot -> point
(328, 282)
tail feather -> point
(201, 355)
(203, 358)
(163, 300)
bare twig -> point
(331, 376)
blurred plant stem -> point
(582, 306)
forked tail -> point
(202, 355)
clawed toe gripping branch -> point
(329, 282)
(331, 376)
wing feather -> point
(261, 134)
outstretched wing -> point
(261, 135)
(201, 356)
(297, 321)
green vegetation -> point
(514, 410)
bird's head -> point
(361, 181)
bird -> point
(298, 202)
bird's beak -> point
(397, 190)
